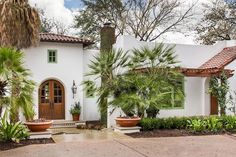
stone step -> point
(40, 135)
(127, 130)
(67, 124)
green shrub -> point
(213, 124)
(12, 131)
(197, 125)
(229, 122)
(194, 124)
(150, 124)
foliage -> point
(165, 123)
(219, 87)
(20, 24)
(212, 124)
(19, 87)
(152, 111)
(76, 108)
(146, 20)
(197, 125)
(138, 91)
(229, 122)
(105, 65)
(135, 91)
(90, 88)
(12, 131)
(218, 22)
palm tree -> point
(20, 24)
(134, 90)
(17, 89)
(150, 81)
(106, 66)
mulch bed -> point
(170, 133)
(12, 145)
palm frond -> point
(20, 24)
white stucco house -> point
(59, 60)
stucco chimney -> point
(107, 41)
(107, 37)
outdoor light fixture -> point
(74, 89)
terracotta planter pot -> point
(76, 117)
(38, 126)
(127, 121)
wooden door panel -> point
(51, 100)
(214, 105)
(58, 101)
(45, 112)
(44, 101)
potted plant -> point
(130, 98)
(38, 125)
(75, 111)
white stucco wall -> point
(190, 56)
(69, 67)
(90, 104)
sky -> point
(71, 4)
(64, 11)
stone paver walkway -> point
(76, 135)
(197, 146)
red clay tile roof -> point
(191, 72)
(195, 72)
(226, 56)
(50, 37)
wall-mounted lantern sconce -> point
(74, 89)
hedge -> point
(194, 124)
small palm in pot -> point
(75, 111)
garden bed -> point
(170, 133)
(186, 126)
(12, 145)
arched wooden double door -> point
(51, 100)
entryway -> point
(51, 100)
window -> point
(90, 89)
(175, 98)
(52, 56)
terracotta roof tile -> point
(220, 60)
(195, 72)
(50, 37)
